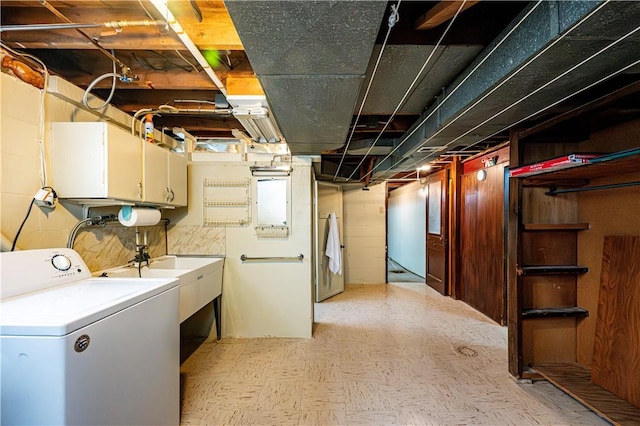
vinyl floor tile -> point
(322, 418)
(380, 355)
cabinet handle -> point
(140, 190)
(170, 196)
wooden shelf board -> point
(555, 226)
(608, 165)
(575, 380)
(553, 269)
(572, 311)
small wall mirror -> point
(272, 201)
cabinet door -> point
(155, 173)
(177, 194)
(95, 160)
(124, 172)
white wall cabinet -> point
(164, 176)
(95, 160)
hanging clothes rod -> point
(554, 191)
(246, 258)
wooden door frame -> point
(456, 289)
(444, 223)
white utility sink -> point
(200, 279)
(175, 262)
(145, 272)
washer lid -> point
(58, 311)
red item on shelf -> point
(559, 163)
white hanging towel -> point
(333, 250)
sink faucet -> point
(142, 252)
(142, 255)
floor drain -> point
(466, 351)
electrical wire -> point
(411, 87)
(601, 80)
(573, 68)
(15, 240)
(504, 81)
(41, 124)
(188, 62)
(394, 17)
(455, 89)
(145, 9)
(536, 56)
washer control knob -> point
(61, 262)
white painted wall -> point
(262, 299)
(364, 235)
(407, 227)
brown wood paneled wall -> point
(616, 354)
(482, 242)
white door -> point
(329, 200)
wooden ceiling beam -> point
(168, 80)
(128, 39)
(198, 125)
(441, 13)
(134, 99)
(171, 80)
(214, 32)
(243, 85)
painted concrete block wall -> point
(20, 157)
(407, 227)
(364, 235)
(260, 299)
(20, 178)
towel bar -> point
(246, 258)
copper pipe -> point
(74, 26)
(125, 69)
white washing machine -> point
(78, 350)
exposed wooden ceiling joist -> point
(442, 12)
(214, 32)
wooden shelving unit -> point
(572, 311)
(553, 269)
(575, 380)
(548, 272)
(543, 276)
(555, 226)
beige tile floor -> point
(396, 354)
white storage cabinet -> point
(164, 176)
(96, 160)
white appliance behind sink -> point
(78, 350)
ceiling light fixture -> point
(422, 173)
(258, 124)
